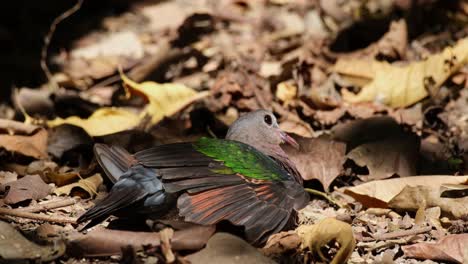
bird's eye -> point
(268, 120)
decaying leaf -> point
(164, 99)
(379, 193)
(412, 197)
(402, 86)
(104, 121)
(327, 230)
(22, 138)
(84, 188)
(229, 249)
(451, 248)
(107, 242)
(14, 247)
(318, 158)
(26, 188)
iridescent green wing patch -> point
(241, 158)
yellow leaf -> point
(402, 86)
(286, 91)
(164, 99)
(88, 185)
(104, 121)
(321, 234)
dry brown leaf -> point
(15, 247)
(412, 197)
(28, 187)
(25, 139)
(321, 234)
(388, 157)
(452, 248)
(402, 86)
(84, 188)
(379, 193)
(318, 158)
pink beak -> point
(288, 139)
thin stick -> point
(325, 196)
(47, 206)
(398, 234)
(40, 217)
(48, 38)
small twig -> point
(398, 234)
(47, 206)
(48, 38)
(325, 196)
(40, 217)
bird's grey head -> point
(259, 129)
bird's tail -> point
(114, 160)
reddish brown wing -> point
(262, 208)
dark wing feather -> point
(139, 185)
(114, 160)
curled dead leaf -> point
(327, 230)
(84, 188)
(379, 193)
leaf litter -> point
(376, 100)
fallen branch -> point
(40, 217)
(47, 206)
(398, 234)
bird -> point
(246, 179)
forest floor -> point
(375, 92)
